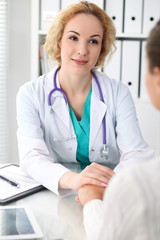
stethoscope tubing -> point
(56, 89)
(66, 99)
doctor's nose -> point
(82, 49)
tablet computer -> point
(18, 223)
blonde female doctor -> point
(74, 113)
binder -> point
(26, 187)
(151, 14)
(49, 10)
(114, 8)
(112, 68)
(68, 2)
(143, 89)
(133, 16)
(130, 65)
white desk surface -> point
(60, 218)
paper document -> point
(26, 184)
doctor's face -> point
(81, 43)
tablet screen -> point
(17, 223)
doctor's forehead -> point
(84, 23)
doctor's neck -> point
(75, 83)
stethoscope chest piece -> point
(104, 152)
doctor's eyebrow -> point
(95, 35)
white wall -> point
(19, 63)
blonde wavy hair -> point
(55, 33)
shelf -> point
(133, 36)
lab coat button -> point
(92, 150)
(70, 149)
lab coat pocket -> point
(65, 148)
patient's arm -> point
(88, 192)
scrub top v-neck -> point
(82, 131)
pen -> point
(13, 183)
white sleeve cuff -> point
(93, 215)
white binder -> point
(151, 14)
(49, 10)
(143, 89)
(112, 68)
(68, 2)
(130, 65)
(114, 8)
(133, 16)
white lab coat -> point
(46, 137)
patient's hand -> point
(89, 192)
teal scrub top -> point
(82, 131)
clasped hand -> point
(93, 180)
(93, 175)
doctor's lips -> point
(80, 62)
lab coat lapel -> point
(98, 110)
(60, 108)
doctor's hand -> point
(94, 174)
(87, 193)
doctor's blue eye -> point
(74, 38)
(93, 41)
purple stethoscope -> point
(104, 150)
